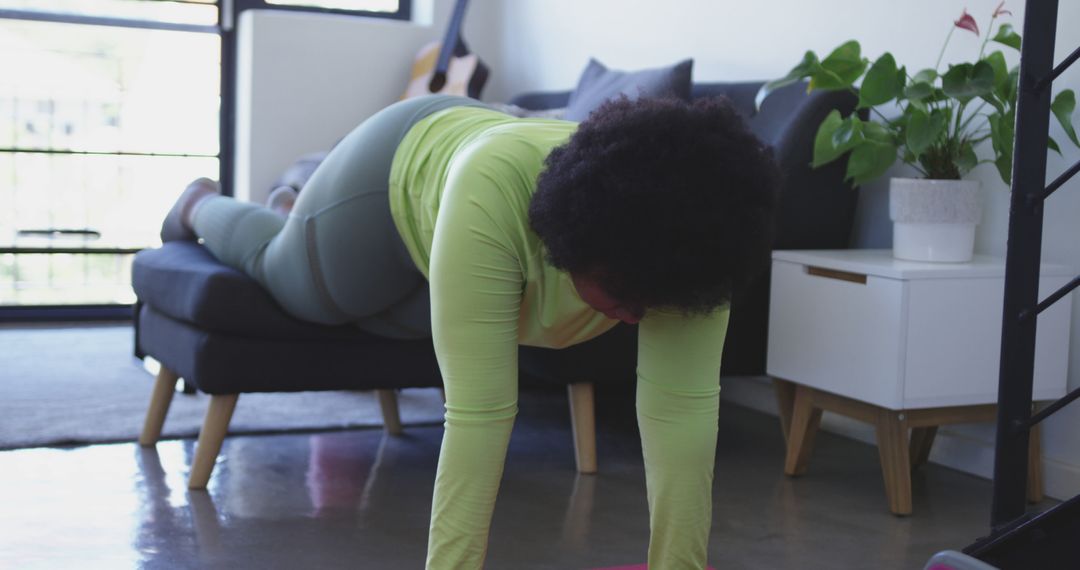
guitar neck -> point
(452, 43)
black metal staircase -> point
(1019, 539)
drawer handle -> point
(834, 274)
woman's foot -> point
(177, 225)
(282, 199)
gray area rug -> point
(79, 385)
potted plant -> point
(937, 123)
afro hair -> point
(666, 204)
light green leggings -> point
(337, 258)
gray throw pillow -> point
(598, 84)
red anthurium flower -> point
(1001, 10)
(967, 22)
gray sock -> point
(281, 197)
(173, 228)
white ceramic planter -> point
(934, 220)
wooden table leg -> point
(922, 439)
(785, 403)
(892, 436)
(805, 420)
(1034, 479)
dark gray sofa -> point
(225, 336)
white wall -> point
(306, 79)
(546, 43)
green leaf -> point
(876, 132)
(1005, 35)
(1001, 69)
(824, 151)
(804, 69)
(848, 134)
(1062, 107)
(841, 68)
(966, 160)
(882, 83)
(1006, 91)
(1001, 134)
(1001, 137)
(990, 98)
(925, 76)
(918, 91)
(923, 130)
(909, 157)
(966, 81)
(1053, 145)
(1004, 168)
(869, 160)
(919, 104)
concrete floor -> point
(357, 499)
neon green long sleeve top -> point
(460, 186)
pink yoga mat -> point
(634, 567)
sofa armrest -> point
(815, 208)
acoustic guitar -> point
(448, 67)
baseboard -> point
(967, 448)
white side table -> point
(905, 346)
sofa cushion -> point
(598, 83)
(184, 281)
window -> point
(394, 9)
(353, 5)
(108, 108)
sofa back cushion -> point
(598, 83)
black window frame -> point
(229, 12)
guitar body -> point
(465, 75)
(448, 67)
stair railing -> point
(1023, 257)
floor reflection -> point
(575, 533)
(339, 471)
(67, 508)
(164, 522)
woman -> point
(528, 231)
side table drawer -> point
(954, 342)
(836, 331)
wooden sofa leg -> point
(164, 388)
(211, 435)
(583, 422)
(390, 413)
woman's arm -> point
(678, 395)
(476, 284)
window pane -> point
(362, 5)
(94, 88)
(65, 279)
(200, 12)
(123, 197)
